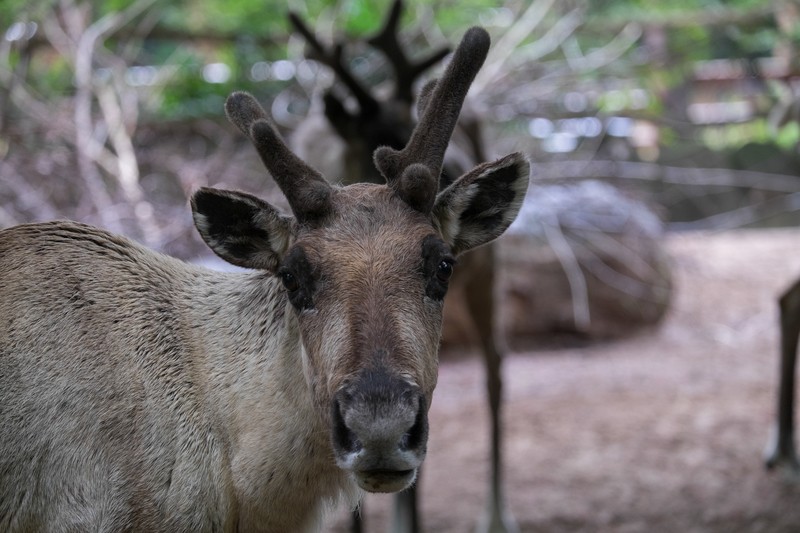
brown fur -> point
(130, 401)
(140, 393)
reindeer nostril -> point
(343, 437)
(417, 435)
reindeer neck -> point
(279, 446)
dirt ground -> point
(660, 433)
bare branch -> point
(743, 216)
(691, 176)
(510, 41)
(613, 50)
(718, 16)
(25, 195)
(572, 269)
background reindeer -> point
(388, 122)
(780, 450)
(139, 392)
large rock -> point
(583, 260)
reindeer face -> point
(368, 287)
(363, 287)
(366, 267)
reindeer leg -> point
(780, 450)
(480, 302)
(356, 520)
(405, 517)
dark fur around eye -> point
(437, 266)
(298, 279)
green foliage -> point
(258, 17)
(53, 80)
(12, 11)
(241, 33)
(757, 42)
(788, 137)
(188, 94)
(360, 16)
(735, 136)
(656, 10)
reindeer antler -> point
(406, 72)
(414, 171)
(305, 188)
(333, 59)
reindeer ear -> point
(479, 206)
(242, 229)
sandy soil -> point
(659, 433)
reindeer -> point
(390, 122)
(139, 393)
(780, 450)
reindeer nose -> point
(359, 424)
(380, 431)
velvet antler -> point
(305, 188)
(414, 171)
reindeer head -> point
(376, 122)
(366, 267)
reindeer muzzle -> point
(380, 430)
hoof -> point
(781, 456)
(497, 521)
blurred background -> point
(637, 291)
(112, 110)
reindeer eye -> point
(289, 281)
(299, 279)
(436, 267)
(444, 270)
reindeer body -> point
(138, 393)
(180, 395)
(165, 395)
